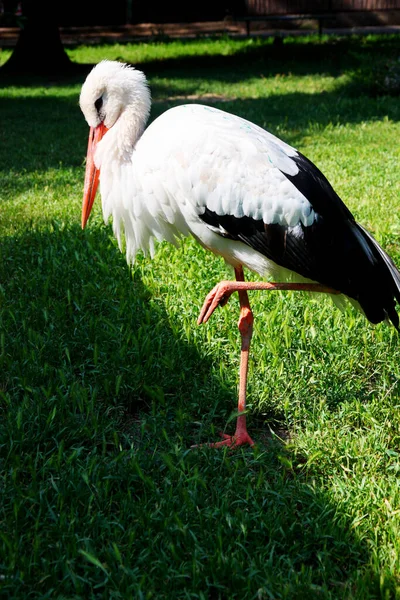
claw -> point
(218, 296)
(231, 441)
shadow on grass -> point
(75, 315)
(107, 503)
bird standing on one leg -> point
(240, 191)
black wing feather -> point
(313, 184)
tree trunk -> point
(39, 49)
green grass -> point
(106, 380)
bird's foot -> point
(218, 296)
(231, 441)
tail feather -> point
(395, 273)
(389, 277)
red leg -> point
(245, 325)
(219, 296)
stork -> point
(239, 191)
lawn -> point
(106, 380)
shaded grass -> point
(105, 380)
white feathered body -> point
(190, 158)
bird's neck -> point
(119, 141)
(131, 126)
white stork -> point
(240, 191)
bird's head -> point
(111, 90)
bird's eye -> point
(99, 103)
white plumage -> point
(155, 185)
(213, 167)
(239, 190)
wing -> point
(247, 185)
(195, 158)
(206, 158)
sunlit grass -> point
(106, 380)
(4, 55)
(147, 51)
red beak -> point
(92, 174)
